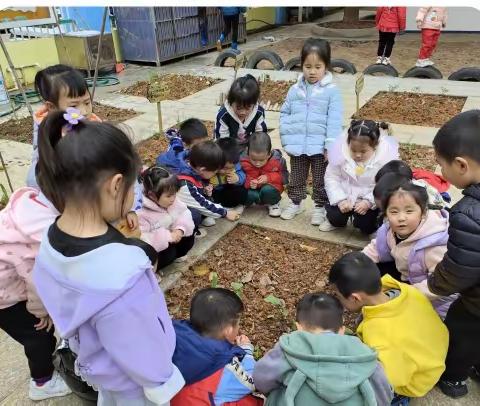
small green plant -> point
(257, 353)
(4, 196)
(278, 303)
(237, 288)
(213, 277)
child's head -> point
(319, 312)
(405, 207)
(231, 152)
(206, 158)
(215, 312)
(386, 184)
(315, 59)
(396, 166)
(160, 185)
(457, 148)
(243, 96)
(193, 131)
(62, 86)
(259, 148)
(90, 169)
(355, 277)
(362, 138)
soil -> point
(418, 156)
(170, 86)
(267, 262)
(353, 25)
(274, 92)
(114, 114)
(427, 110)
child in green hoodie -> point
(319, 365)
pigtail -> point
(385, 127)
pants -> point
(196, 217)
(463, 348)
(203, 24)
(230, 195)
(367, 223)
(108, 398)
(297, 188)
(174, 251)
(385, 43)
(429, 42)
(39, 346)
(267, 194)
(230, 23)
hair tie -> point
(72, 116)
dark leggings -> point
(366, 223)
(385, 43)
(174, 251)
(231, 23)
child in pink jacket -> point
(22, 314)
(430, 20)
(165, 222)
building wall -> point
(459, 19)
(266, 14)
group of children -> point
(64, 261)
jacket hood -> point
(248, 119)
(327, 79)
(334, 365)
(435, 222)
(151, 205)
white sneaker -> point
(55, 387)
(326, 226)
(239, 209)
(420, 63)
(319, 215)
(428, 62)
(181, 259)
(208, 222)
(291, 211)
(201, 232)
(379, 60)
(386, 61)
(274, 210)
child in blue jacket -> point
(231, 17)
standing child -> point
(231, 18)
(266, 172)
(430, 20)
(241, 115)
(350, 177)
(165, 222)
(389, 21)
(97, 285)
(457, 147)
(310, 121)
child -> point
(241, 115)
(228, 183)
(397, 321)
(214, 359)
(350, 177)
(413, 241)
(266, 172)
(231, 17)
(310, 121)
(22, 315)
(98, 286)
(190, 132)
(457, 149)
(165, 222)
(430, 20)
(204, 161)
(335, 368)
(389, 22)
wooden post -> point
(160, 121)
(62, 38)
(97, 62)
(358, 88)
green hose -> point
(103, 81)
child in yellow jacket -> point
(397, 320)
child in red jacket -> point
(389, 21)
(266, 172)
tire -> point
(293, 64)
(269, 56)
(387, 70)
(466, 74)
(347, 66)
(429, 72)
(224, 55)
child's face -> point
(196, 141)
(166, 199)
(230, 333)
(82, 103)
(242, 112)
(404, 214)
(228, 168)
(258, 159)
(313, 68)
(460, 172)
(204, 173)
(360, 150)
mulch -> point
(274, 92)
(418, 156)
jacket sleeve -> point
(138, 199)
(276, 176)
(221, 129)
(371, 251)
(270, 369)
(334, 118)
(422, 11)
(378, 15)
(285, 112)
(248, 176)
(158, 238)
(402, 18)
(382, 388)
(241, 174)
(184, 221)
(333, 184)
(261, 125)
(34, 304)
(444, 20)
(192, 197)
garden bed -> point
(274, 92)
(270, 270)
(418, 156)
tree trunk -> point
(351, 14)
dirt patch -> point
(274, 92)
(171, 86)
(114, 114)
(258, 263)
(427, 110)
(348, 25)
(418, 156)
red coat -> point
(275, 169)
(391, 19)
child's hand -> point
(132, 220)
(232, 178)
(242, 340)
(125, 229)
(44, 323)
(232, 215)
(261, 180)
(208, 190)
(253, 184)
(362, 206)
(177, 235)
(345, 206)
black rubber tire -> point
(269, 56)
(388, 70)
(293, 63)
(347, 66)
(466, 74)
(224, 55)
(429, 72)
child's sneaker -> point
(55, 387)
(420, 63)
(318, 215)
(208, 222)
(326, 226)
(234, 45)
(475, 374)
(220, 40)
(386, 61)
(428, 62)
(239, 209)
(379, 60)
(291, 211)
(274, 210)
(453, 389)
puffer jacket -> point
(459, 271)
(432, 18)
(311, 119)
(275, 169)
(391, 19)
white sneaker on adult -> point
(326, 226)
(379, 60)
(428, 62)
(319, 215)
(420, 63)
(54, 388)
(208, 222)
(239, 209)
(386, 61)
(274, 210)
(291, 211)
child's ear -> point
(341, 331)
(357, 297)
(50, 106)
(299, 326)
(461, 164)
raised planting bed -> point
(269, 270)
(428, 110)
(418, 156)
(273, 93)
(171, 86)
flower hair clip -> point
(73, 116)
